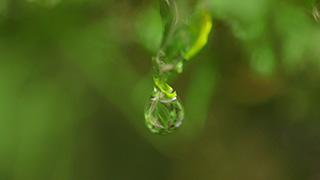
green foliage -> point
(46, 3)
(149, 29)
(269, 31)
(181, 41)
(75, 77)
(181, 38)
(263, 60)
(199, 29)
(164, 87)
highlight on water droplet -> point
(163, 114)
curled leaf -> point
(199, 28)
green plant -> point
(182, 39)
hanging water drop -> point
(163, 113)
(181, 41)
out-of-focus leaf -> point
(245, 10)
(3, 6)
(149, 29)
(46, 3)
(263, 60)
(248, 31)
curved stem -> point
(169, 13)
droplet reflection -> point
(163, 114)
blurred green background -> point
(75, 76)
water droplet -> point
(163, 114)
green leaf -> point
(199, 29)
(189, 38)
(149, 29)
(164, 87)
(46, 3)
